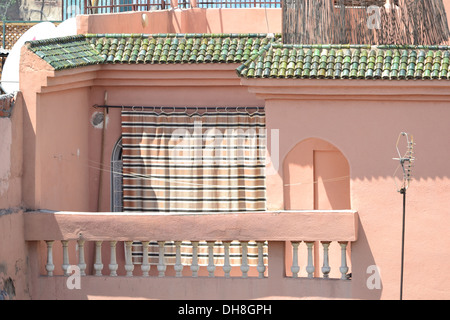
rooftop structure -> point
(194, 152)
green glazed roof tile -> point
(81, 50)
(259, 55)
(65, 52)
(387, 62)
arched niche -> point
(116, 177)
(316, 176)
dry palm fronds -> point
(418, 22)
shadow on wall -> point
(316, 176)
(365, 273)
(320, 173)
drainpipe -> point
(102, 147)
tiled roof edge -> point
(361, 46)
(181, 35)
(86, 49)
(34, 43)
(52, 51)
(271, 59)
(337, 61)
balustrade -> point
(260, 268)
(127, 250)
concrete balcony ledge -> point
(101, 246)
(334, 225)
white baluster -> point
(310, 267)
(244, 261)
(326, 266)
(145, 267)
(261, 267)
(65, 264)
(81, 260)
(98, 265)
(211, 267)
(161, 264)
(226, 262)
(344, 268)
(113, 266)
(194, 264)
(129, 266)
(178, 267)
(50, 266)
(295, 268)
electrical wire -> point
(109, 169)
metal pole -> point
(403, 191)
(4, 34)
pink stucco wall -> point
(11, 156)
(13, 252)
(359, 119)
(362, 123)
(195, 20)
(216, 86)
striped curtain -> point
(180, 162)
(210, 162)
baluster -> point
(145, 267)
(310, 267)
(261, 267)
(211, 267)
(344, 268)
(295, 268)
(244, 261)
(81, 260)
(113, 266)
(161, 264)
(178, 267)
(326, 266)
(194, 263)
(129, 266)
(226, 261)
(65, 264)
(50, 266)
(98, 265)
